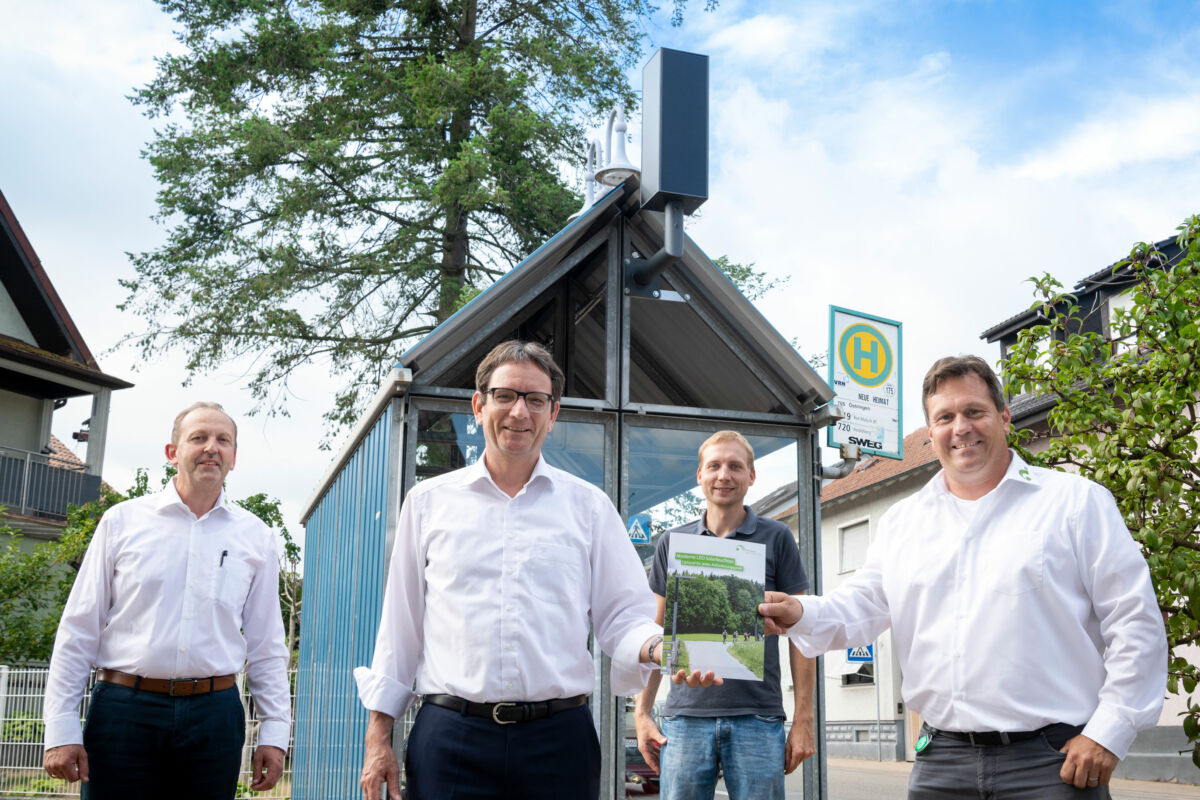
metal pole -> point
(674, 626)
(25, 485)
(878, 724)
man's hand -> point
(696, 678)
(266, 767)
(800, 744)
(780, 612)
(1088, 763)
(649, 738)
(68, 762)
(379, 761)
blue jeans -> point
(749, 750)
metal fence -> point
(21, 727)
(33, 484)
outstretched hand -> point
(696, 678)
(779, 611)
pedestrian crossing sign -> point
(639, 529)
(861, 654)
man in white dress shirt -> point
(498, 573)
(1021, 609)
(178, 591)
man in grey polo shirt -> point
(737, 727)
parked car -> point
(637, 772)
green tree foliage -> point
(35, 583)
(710, 603)
(1128, 416)
(340, 175)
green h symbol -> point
(871, 353)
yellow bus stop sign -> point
(865, 355)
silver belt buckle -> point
(496, 719)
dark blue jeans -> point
(949, 769)
(146, 746)
(451, 756)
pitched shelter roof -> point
(58, 362)
(683, 347)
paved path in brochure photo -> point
(712, 655)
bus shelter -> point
(650, 373)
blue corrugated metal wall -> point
(343, 591)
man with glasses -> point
(498, 573)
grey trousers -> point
(949, 769)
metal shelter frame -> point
(697, 358)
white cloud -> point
(885, 204)
(1132, 132)
(109, 43)
(785, 42)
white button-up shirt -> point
(1038, 610)
(491, 597)
(162, 594)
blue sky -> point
(914, 160)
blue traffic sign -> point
(861, 654)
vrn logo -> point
(861, 442)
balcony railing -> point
(37, 485)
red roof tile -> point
(918, 451)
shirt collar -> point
(472, 474)
(1018, 472)
(169, 496)
(748, 526)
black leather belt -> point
(996, 738)
(505, 713)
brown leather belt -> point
(177, 687)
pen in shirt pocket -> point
(223, 554)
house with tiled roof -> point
(44, 361)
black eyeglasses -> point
(536, 402)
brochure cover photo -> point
(711, 620)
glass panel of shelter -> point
(570, 318)
(662, 459)
(448, 438)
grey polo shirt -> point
(785, 573)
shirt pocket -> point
(552, 573)
(231, 583)
(1013, 560)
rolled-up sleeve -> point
(387, 686)
(266, 651)
(623, 607)
(78, 638)
(1135, 644)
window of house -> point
(1123, 301)
(865, 674)
(852, 545)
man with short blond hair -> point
(177, 593)
(1022, 612)
(736, 728)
